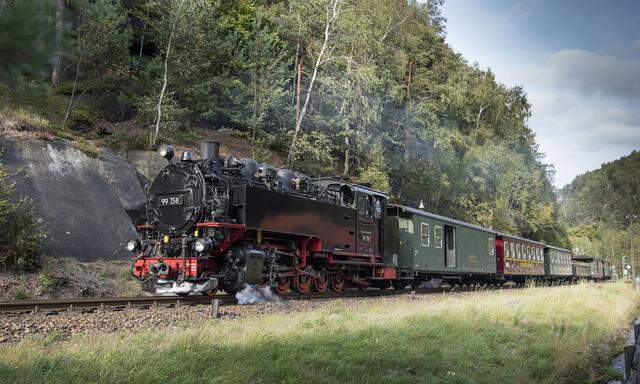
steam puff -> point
(255, 294)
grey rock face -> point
(148, 163)
(81, 200)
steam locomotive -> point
(212, 223)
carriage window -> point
(425, 238)
(513, 249)
(528, 252)
(437, 236)
(506, 249)
(406, 224)
(518, 254)
(492, 245)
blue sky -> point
(579, 62)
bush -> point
(21, 234)
(49, 282)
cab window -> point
(377, 209)
(362, 204)
(492, 246)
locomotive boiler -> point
(212, 223)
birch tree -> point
(332, 14)
(167, 53)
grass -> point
(536, 335)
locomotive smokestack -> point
(209, 150)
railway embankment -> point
(564, 334)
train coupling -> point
(172, 288)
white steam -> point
(255, 294)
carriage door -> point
(366, 225)
(450, 246)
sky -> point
(578, 60)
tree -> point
(24, 44)
(57, 53)
(101, 46)
(167, 52)
(332, 14)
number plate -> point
(170, 200)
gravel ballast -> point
(41, 325)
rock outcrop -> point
(81, 200)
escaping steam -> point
(255, 294)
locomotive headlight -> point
(202, 244)
(134, 245)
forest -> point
(364, 89)
(602, 210)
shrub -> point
(49, 282)
(21, 234)
(21, 294)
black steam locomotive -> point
(214, 223)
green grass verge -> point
(536, 335)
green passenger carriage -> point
(433, 247)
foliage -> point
(538, 335)
(392, 105)
(601, 208)
(606, 195)
(49, 282)
(22, 295)
(24, 44)
(102, 42)
(21, 234)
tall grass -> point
(534, 335)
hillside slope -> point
(602, 210)
(606, 195)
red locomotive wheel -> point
(303, 283)
(337, 282)
(321, 282)
(283, 283)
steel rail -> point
(120, 303)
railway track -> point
(51, 307)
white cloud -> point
(614, 74)
(579, 133)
